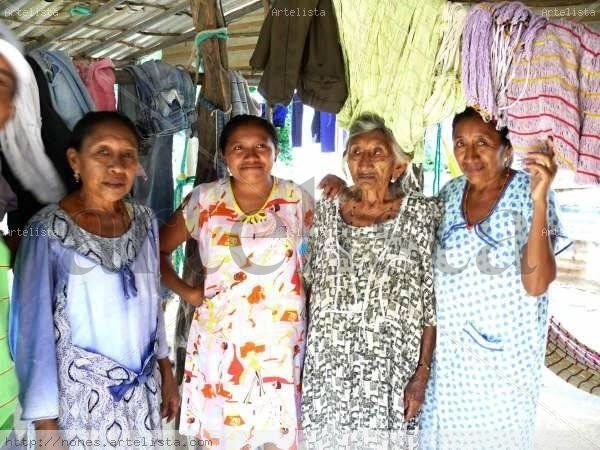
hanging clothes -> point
(447, 96)
(279, 114)
(555, 93)
(156, 189)
(99, 78)
(315, 127)
(69, 95)
(301, 52)
(297, 113)
(493, 35)
(322, 130)
(241, 100)
(327, 131)
(21, 140)
(390, 66)
(55, 138)
(167, 98)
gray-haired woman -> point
(371, 311)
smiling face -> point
(479, 150)
(372, 162)
(8, 86)
(107, 161)
(250, 154)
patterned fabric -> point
(246, 344)
(85, 323)
(390, 52)
(491, 334)
(555, 93)
(371, 296)
(88, 410)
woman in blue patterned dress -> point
(494, 262)
(87, 329)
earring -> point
(393, 180)
(76, 177)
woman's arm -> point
(172, 234)
(414, 393)
(170, 394)
(538, 267)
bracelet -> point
(427, 366)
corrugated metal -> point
(35, 20)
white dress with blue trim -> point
(491, 334)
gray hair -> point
(367, 122)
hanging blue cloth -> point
(315, 127)
(297, 112)
(279, 115)
(327, 132)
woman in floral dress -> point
(246, 343)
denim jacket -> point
(70, 98)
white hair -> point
(367, 122)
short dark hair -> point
(472, 113)
(244, 120)
(88, 123)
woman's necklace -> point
(466, 199)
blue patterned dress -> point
(491, 334)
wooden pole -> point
(216, 89)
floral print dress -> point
(246, 344)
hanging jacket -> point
(69, 95)
(302, 52)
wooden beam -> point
(90, 50)
(207, 16)
(189, 35)
(104, 10)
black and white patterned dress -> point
(371, 296)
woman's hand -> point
(332, 186)
(193, 296)
(48, 434)
(171, 401)
(414, 393)
(542, 168)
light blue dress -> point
(491, 334)
(87, 327)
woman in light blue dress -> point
(494, 262)
(86, 328)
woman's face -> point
(8, 86)
(372, 162)
(250, 154)
(479, 151)
(107, 161)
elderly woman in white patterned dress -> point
(371, 310)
